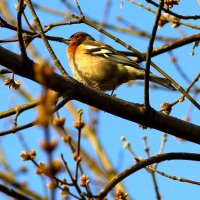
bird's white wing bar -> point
(111, 54)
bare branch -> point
(110, 104)
(145, 163)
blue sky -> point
(111, 128)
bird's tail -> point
(135, 73)
(161, 81)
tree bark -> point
(72, 89)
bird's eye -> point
(77, 36)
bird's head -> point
(79, 37)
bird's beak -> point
(67, 41)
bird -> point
(102, 67)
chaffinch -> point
(100, 66)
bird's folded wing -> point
(109, 53)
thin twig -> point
(50, 26)
(79, 8)
(169, 19)
(133, 30)
(175, 14)
(181, 179)
(148, 58)
(9, 40)
(19, 31)
(181, 99)
(48, 10)
(29, 25)
(105, 15)
(39, 27)
(155, 183)
(18, 128)
(21, 108)
(72, 178)
(178, 67)
(163, 142)
(34, 35)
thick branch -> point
(110, 104)
(12, 193)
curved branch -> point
(144, 163)
(176, 44)
(167, 47)
(130, 111)
(175, 14)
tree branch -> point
(148, 57)
(144, 163)
(130, 111)
(12, 193)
